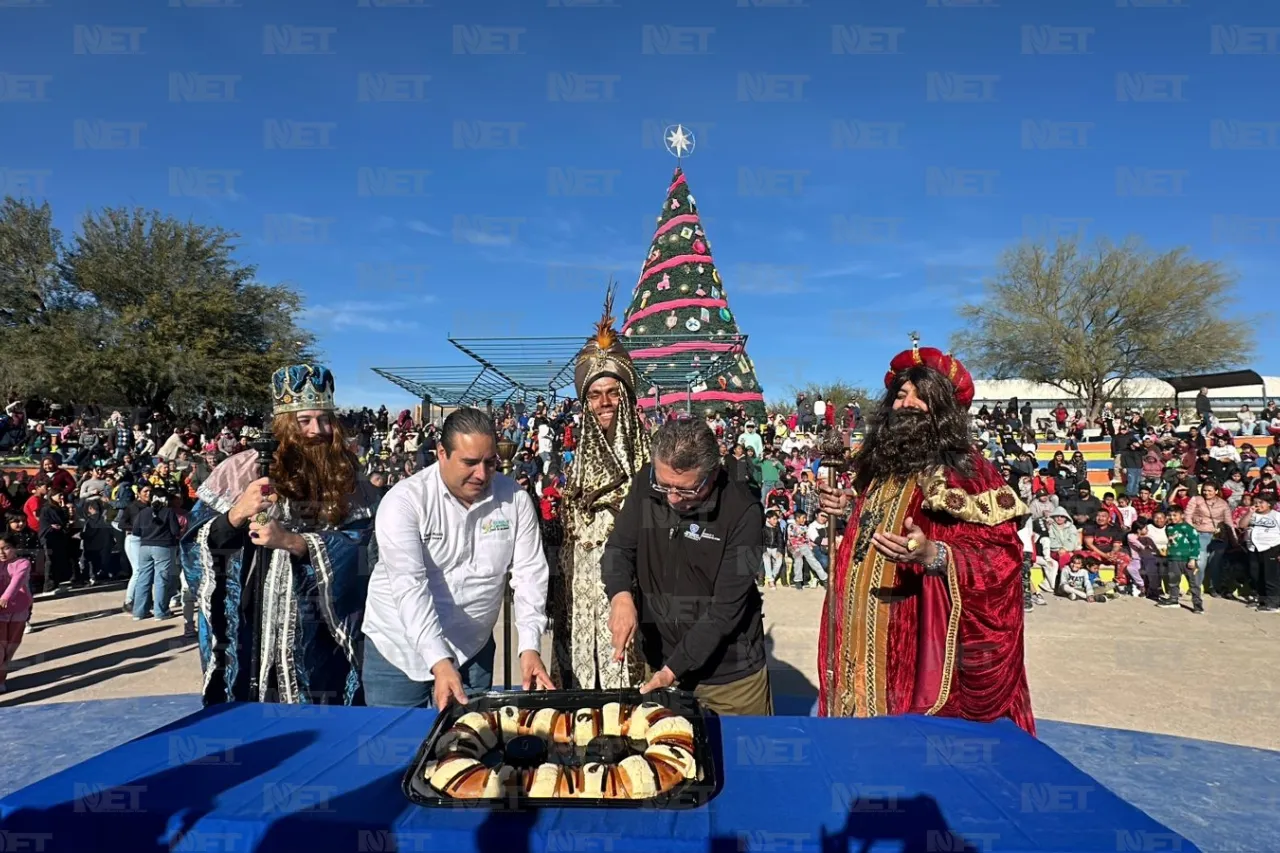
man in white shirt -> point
(448, 538)
(545, 445)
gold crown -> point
(302, 388)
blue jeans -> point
(1133, 481)
(132, 545)
(802, 557)
(386, 685)
(772, 563)
(155, 563)
(1202, 559)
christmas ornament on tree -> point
(680, 285)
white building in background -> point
(1137, 392)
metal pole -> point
(507, 451)
(507, 601)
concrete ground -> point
(1123, 664)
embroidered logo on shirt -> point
(494, 525)
(697, 534)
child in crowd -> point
(15, 601)
(801, 549)
(1144, 558)
(1264, 552)
(1112, 508)
(1077, 580)
(1184, 549)
(1125, 512)
(1146, 506)
(774, 544)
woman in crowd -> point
(15, 601)
(158, 529)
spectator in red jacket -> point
(31, 509)
(550, 499)
(59, 479)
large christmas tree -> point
(678, 328)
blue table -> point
(280, 778)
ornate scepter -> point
(835, 461)
(257, 559)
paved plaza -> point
(1124, 664)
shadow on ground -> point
(61, 680)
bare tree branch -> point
(1088, 323)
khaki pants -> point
(748, 697)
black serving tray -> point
(688, 794)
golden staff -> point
(834, 460)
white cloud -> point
(481, 238)
(385, 317)
(846, 271)
(423, 228)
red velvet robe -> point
(897, 641)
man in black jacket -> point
(1131, 455)
(1083, 506)
(680, 569)
(1204, 409)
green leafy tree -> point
(1087, 322)
(37, 308)
(141, 309)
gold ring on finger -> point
(912, 544)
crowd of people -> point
(1197, 504)
(113, 495)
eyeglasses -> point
(671, 490)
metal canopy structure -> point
(501, 369)
(527, 365)
(506, 368)
(462, 385)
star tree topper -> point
(679, 141)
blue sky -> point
(480, 169)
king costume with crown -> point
(924, 613)
(313, 595)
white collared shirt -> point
(436, 590)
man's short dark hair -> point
(465, 421)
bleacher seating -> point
(1102, 465)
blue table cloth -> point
(290, 778)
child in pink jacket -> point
(15, 601)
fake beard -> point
(319, 465)
(905, 442)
